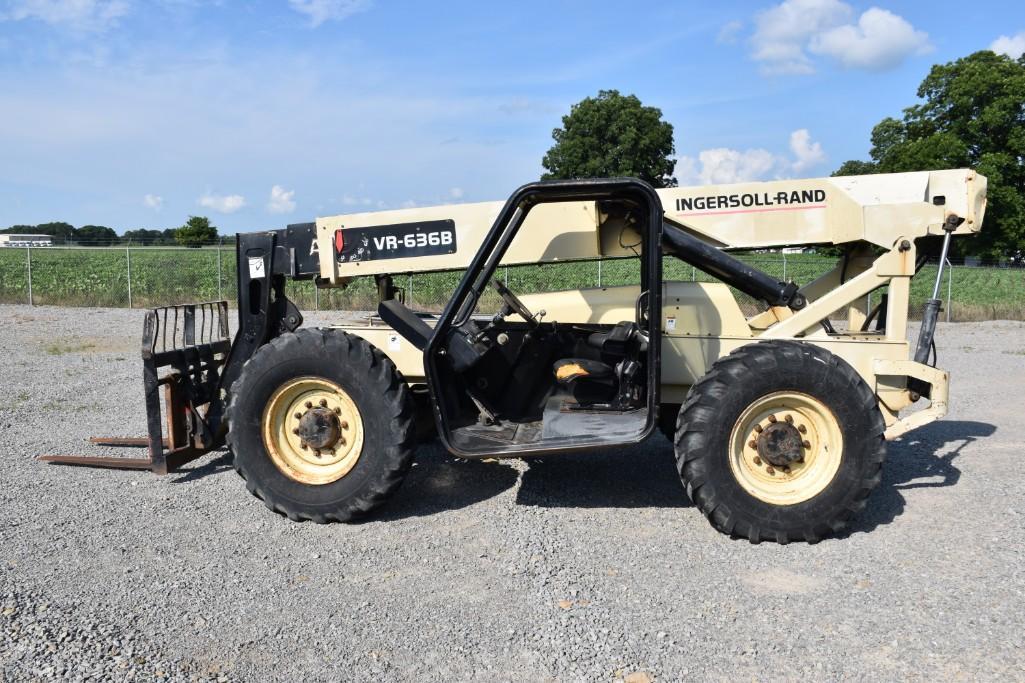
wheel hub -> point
(319, 428)
(786, 447)
(312, 430)
(779, 444)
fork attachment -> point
(192, 341)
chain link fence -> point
(143, 277)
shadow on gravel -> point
(642, 476)
(914, 462)
(438, 482)
(221, 463)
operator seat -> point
(587, 381)
(593, 381)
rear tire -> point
(369, 443)
(780, 441)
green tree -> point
(58, 229)
(613, 135)
(196, 232)
(146, 236)
(973, 115)
(96, 235)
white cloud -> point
(880, 41)
(349, 200)
(786, 33)
(222, 203)
(456, 193)
(782, 32)
(281, 200)
(806, 153)
(1012, 46)
(153, 201)
(320, 11)
(729, 33)
(723, 165)
(78, 15)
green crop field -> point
(160, 276)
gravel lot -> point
(571, 568)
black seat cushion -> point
(569, 369)
(587, 381)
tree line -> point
(196, 232)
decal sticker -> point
(403, 240)
(752, 202)
(255, 267)
(670, 324)
(393, 342)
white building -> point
(12, 240)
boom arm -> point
(878, 209)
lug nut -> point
(802, 429)
(338, 411)
(800, 460)
(770, 470)
(806, 444)
(752, 443)
(309, 404)
(786, 470)
(789, 419)
(316, 452)
(298, 416)
(758, 429)
(323, 403)
(772, 419)
(758, 461)
(296, 431)
(345, 425)
(303, 445)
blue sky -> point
(133, 113)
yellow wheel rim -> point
(310, 398)
(788, 415)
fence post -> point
(219, 296)
(316, 296)
(28, 252)
(950, 286)
(599, 272)
(410, 295)
(128, 260)
(784, 255)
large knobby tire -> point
(346, 388)
(802, 407)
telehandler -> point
(779, 418)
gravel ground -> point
(571, 568)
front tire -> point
(321, 425)
(780, 441)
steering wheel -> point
(514, 303)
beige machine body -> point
(879, 217)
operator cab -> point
(519, 381)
